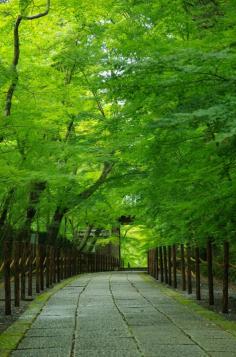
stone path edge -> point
(11, 337)
(217, 319)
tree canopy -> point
(111, 108)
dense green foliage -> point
(113, 108)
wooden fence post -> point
(42, 256)
(161, 265)
(198, 274)
(157, 264)
(100, 262)
(153, 262)
(58, 264)
(63, 263)
(7, 276)
(183, 273)
(54, 264)
(37, 268)
(70, 261)
(80, 263)
(225, 302)
(66, 262)
(51, 265)
(30, 270)
(169, 266)
(165, 264)
(189, 270)
(174, 266)
(16, 274)
(210, 273)
(23, 269)
(47, 263)
(150, 261)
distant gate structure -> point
(99, 233)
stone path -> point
(121, 315)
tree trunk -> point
(85, 238)
(55, 224)
(34, 196)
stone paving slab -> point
(174, 351)
(45, 342)
(111, 343)
(107, 353)
(41, 332)
(122, 315)
(53, 352)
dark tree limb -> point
(16, 56)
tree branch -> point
(37, 16)
(90, 190)
(16, 56)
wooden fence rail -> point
(24, 263)
(165, 261)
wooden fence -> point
(165, 263)
(25, 263)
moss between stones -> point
(221, 321)
(10, 338)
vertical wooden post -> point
(62, 263)
(51, 263)
(30, 270)
(75, 262)
(148, 261)
(165, 265)
(198, 274)
(80, 263)
(100, 262)
(16, 274)
(37, 268)
(152, 262)
(54, 264)
(47, 261)
(108, 257)
(23, 269)
(103, 263)
(157, 264)
(7, 276)
(95, 262)
(67, 263)
(225, 302)
(161, 264)
(70, 261)
(42, 256)
(183, 273)
(105, 259)
(169, 266)
(210, 273)
(174, 266)
(58, 264)
(189, 270)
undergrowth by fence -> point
(166, 262)
(47, 265)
